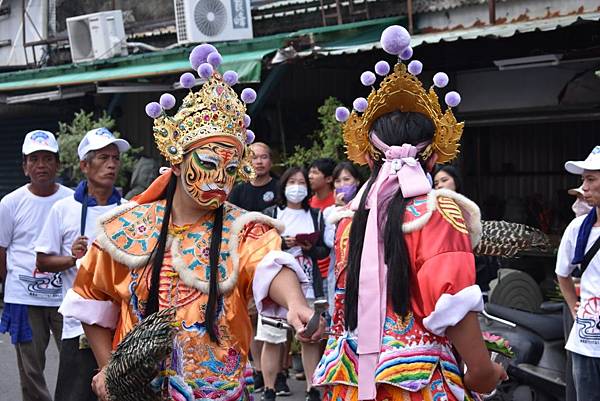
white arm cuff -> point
(265, 272)
(89, 311)
(451, 309)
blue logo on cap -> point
(40, 137)
(104, 132)
(596, 150)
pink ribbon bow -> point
(400, 170)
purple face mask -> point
(348, 190)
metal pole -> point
(492, 11)
(23, 31)
(409, 11)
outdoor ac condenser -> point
(97, 36)
(212, 20)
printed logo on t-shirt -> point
(268, 196)
(43, 285)
(307, 266)
(589, 322)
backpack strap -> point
(589, 255)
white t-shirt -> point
(21, 216)
(585, 334)
(298, 221)
(59, 232)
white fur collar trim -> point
(470, 210)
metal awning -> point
(494, 31)
(245, 58)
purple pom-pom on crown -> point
(250, 137)
(360, 104)
(167, 101)
(205, 70)
(367, 78)
(230, 77)
(342, 114)
(394, 39)
(248, 95)
(406, 54)
(382, 68)
(440, 79)
(200, 53)
(247, 120)
(452, 99)
(214, 59)
(187, 80)
(415, 67)
(153, 110)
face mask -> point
(208, 174)
(348, 190)
(295, 193)
(580, 207)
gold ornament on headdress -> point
(402, 91)
(215, 111)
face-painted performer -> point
(180, 249)
(405, 294)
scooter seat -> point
(547, 326)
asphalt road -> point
(10, 389)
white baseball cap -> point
(591, 163)
(99, 138)
(39, 140)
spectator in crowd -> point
(346, 180)
(579, 249)
(69, 229)
(293, 210)
(447, 176)
(31, 297)
(580, 206)
(320, 175)
(256, 196)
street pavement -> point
(9, 376)
(10, 389)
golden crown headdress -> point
(213, 111)
(400, 90)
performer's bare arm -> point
(100, 340)
(285, 290)
(482, 375)
(53, 263)
(567, 287)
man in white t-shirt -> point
(31, 297)
(578, 248)
(69, 227)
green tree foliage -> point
(69, 136)
(326, 142)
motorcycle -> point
(537, 372)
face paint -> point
(209, 171)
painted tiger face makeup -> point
(209, 171)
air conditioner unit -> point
(97, 36)
(212, 20)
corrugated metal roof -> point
(494, 31)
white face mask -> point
(580, 207)
(295, 193)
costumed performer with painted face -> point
(180, 249)
(405, 297)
